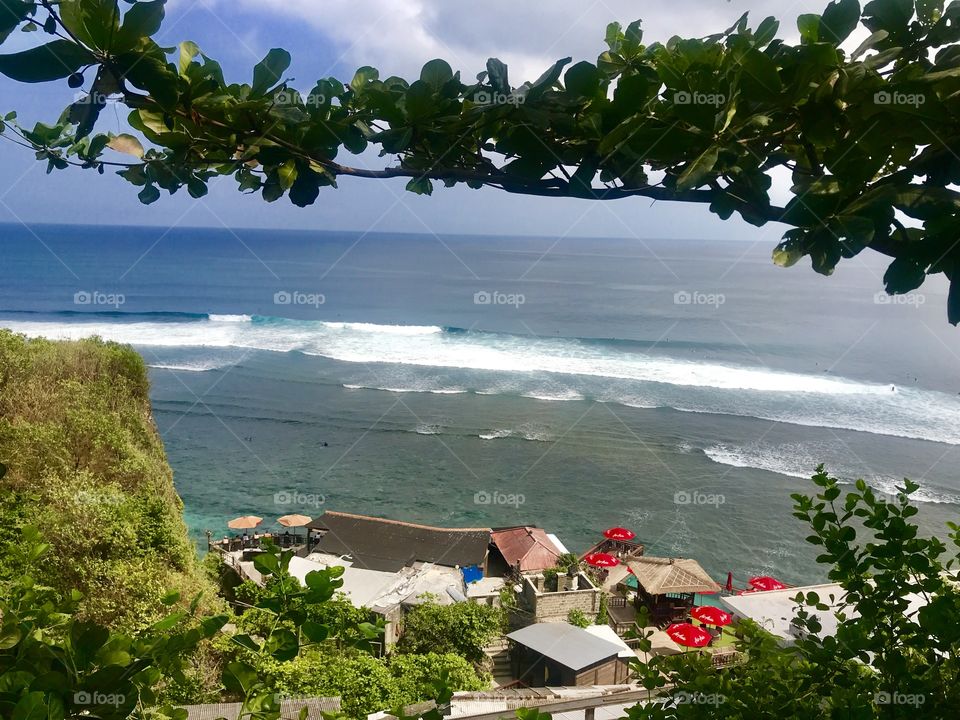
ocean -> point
(682, 389)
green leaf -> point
(420, 186)
(315, 631)
(760, 78)
(766, 31)
(363, 76)
(188, 51)
(268, 71)
(149, 194)
(52, 61)
(929, 11)
(94, 22)
(287, 174)
(127, 144)
(839, 20)
(306, 188)
(890, 15)
(12, 13)
(582, 80)
(789, 252)
(245, 641)
(282, 644)
(499, 78)
(904, 275)
(547, 80)
(697, 171)
(10, 636)
(809, 27)
(953, 300)
(869, 43)
(267, 563)
(141, 21)
(436, 74)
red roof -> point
(528, 547)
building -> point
(553, 598)
(552, 654)
(525, 549)
(372, 543)
(667, 586)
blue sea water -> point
(682, 389)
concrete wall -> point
(556, 606)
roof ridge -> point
(401, 522)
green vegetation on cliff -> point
(85, 465)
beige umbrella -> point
(293, 521)
(244, 523)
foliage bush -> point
(464, 629)
(86, 466)
(576, 618)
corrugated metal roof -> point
(379, 544)
(566, 644)
(530, 547)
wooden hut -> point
(667, 586)
(556, 653)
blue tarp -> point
(472, 573)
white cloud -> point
(398, 36)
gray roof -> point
(566, 644)
(389, 545)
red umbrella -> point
(765, 582)
(710, 615)
(688, 635)
(619, 533)
(602, 560)
(729, 585)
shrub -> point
(461, 628)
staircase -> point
(499, 653)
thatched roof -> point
(659, 576)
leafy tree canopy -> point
(869, 136)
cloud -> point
(398, 36)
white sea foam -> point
(188, 366)
(428, 429)
(495, 434)
(231, 318)
(554, 369)
(800, 460)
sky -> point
(334, 37)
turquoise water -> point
(499, 381)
